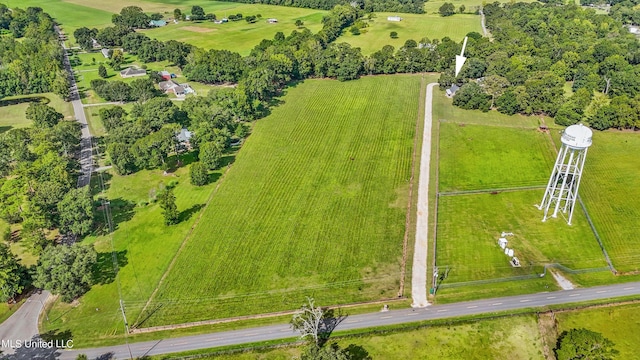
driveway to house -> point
(419, 277)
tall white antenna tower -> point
(562, 189)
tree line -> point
(27, 66)
(537, 49)
(406, 6)
(37, 190)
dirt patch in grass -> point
(198, 29)
(549, 332)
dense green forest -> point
(25, 64)
(38, 164)
(537, 49)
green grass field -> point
(480, 151)
(12, 109)
(314, 205)
(474, 157)
(469, 227)
(70, 16)
(506, 338)
(620, 324)
(238, 36)
(610, 189)
(412, 26)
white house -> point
(394, 18)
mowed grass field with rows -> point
(610, 189)
(314, 205)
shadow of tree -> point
(357, 352)
(121, 211)
(10, 102)
(57, 335)
(227, 160)
(106, 356)
(330, 320)
(213, 177)
(181, 160)
(34, 352)
(103, 271)
(186, 214)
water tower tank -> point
(562, 189)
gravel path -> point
(419, 277)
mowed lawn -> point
(144, 247)
(474, 157)
(469, 227)
(620, 324)
(12, 109)
(412, 26)
(610, 189)
(313, 206)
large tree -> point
(577, 344)
(42, 115)
(210, 155)
(13, 276)
(76, 212)
(167, 202)
(66, 270)
(131, 17)
(447, 9)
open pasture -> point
(313, 206)
(412, 26)
(474, 157)
(610, 189)
(470, 225)
(12, 109)
(238, 36)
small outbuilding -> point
(157, 23)
(105, 52)
(394, 18)
(272, 21)
(165, 75)
(452, 90)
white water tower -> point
(562, 189)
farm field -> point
(70, 16)
(412, 26)
(610, 188)
(505, 338)
(144, 246)
(313, 206)
(12, 109)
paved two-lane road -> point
(86, 146)
(392, 317)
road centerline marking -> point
(574, 295)
(496, 304)
(525, 300)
